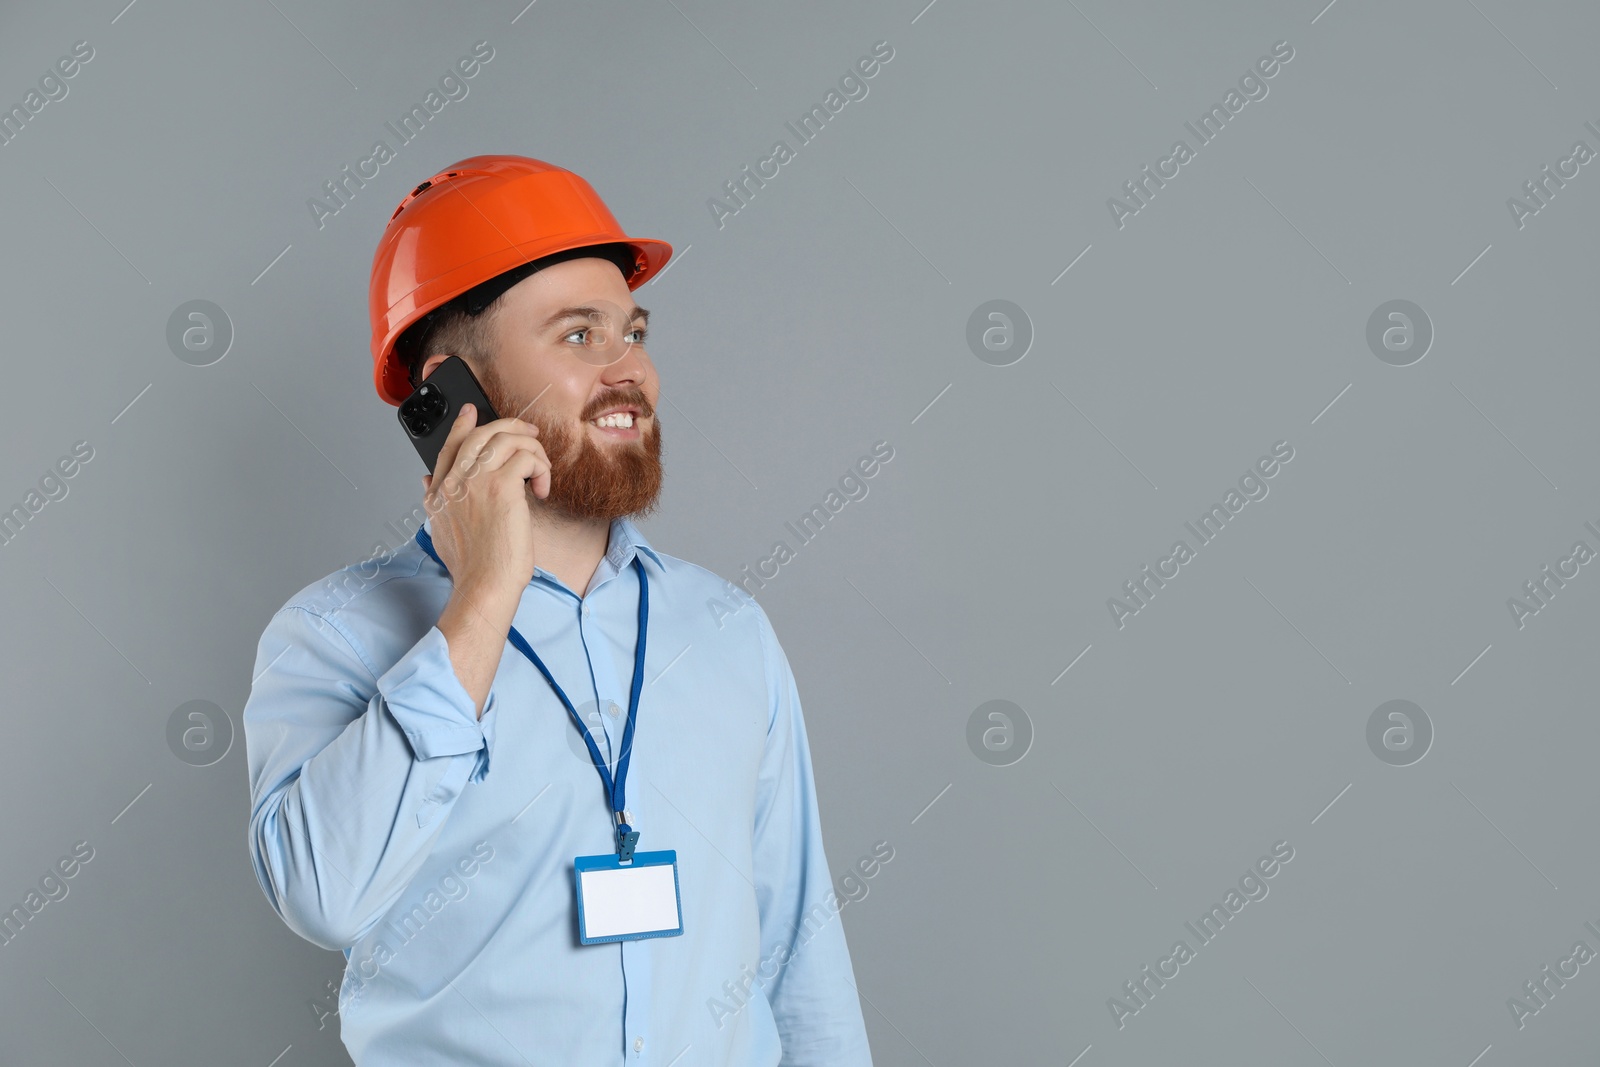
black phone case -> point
(429, 412)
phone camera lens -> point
(422, 411)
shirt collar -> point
(625, 542)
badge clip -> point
(627, 838)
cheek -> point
(556, 395)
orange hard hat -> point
(471, 222)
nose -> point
(630, 367)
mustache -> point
(635, 399)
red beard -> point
(587, 481)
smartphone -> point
(429, 412)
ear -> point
(432, 363)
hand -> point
(477, 499)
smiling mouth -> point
(622, 424)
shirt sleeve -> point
(813, 994)
(352, 771)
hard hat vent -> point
(419, 190)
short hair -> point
(464, 326)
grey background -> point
(829, 313)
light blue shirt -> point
(436, 849)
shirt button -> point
(638, 1044)
(586, 610)
(614, 710)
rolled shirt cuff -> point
(433, 709)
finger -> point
(511, 424)
(528, 467)
(531, 472)
(474, 450)
(481, 455)
(504, 446)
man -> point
(421, 790)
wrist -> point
(493, 605)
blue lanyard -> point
(627, 836)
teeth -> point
(620, 420)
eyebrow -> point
(586, 312)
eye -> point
(634, 336)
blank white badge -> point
(624, 902)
